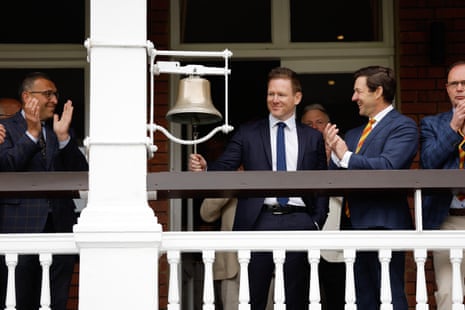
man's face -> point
(456, 89)
(365, 99)
(281, 100)
(315, 119)
(46, 92)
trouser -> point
(443, 267)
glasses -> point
(46, 93)
(455, 84)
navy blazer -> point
(19, 153)
(439, 150)
(251, 147)
(392, 144)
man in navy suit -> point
(254, 146)
(39, 140)
(391, 144)
(440, 137)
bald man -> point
(8, 107)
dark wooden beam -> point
(240, 184)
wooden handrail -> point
(240, 184)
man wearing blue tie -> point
(388, 141)
(278, 142)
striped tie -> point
(365, 133)
(461, 196)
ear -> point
(297, 97)
(379, 92)
(25, 96)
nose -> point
(354, 96)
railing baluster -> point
(45, 262)
(173, 286)
(11, 261)
(314, 259)
(279, 256)
(208, 291)
(421, 292)
(349, 258)
(457, 296)
(386, 295)
(243, 257)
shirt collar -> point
(378, 117)
(290, 122)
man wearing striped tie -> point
(389, 140)
(442, 147)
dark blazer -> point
(251, 147)
(392, 144)
(439, 150)
(19, 153)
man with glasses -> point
(39, 140)
(442, 147)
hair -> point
(315, 106)
(455, 64)
(378, 76)
(286, 73)
(29, 80)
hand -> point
(32, 115)
(197, 163)
(334, 142)
(458, 118)
(2, 133)
(61, 125)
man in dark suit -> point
(441, 138)
(391, 144)
(254, 146)
(33, 143)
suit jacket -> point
(251, 147)
(226, 265)
(439, 150)
(392, 144)
(19, 153)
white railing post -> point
(11, 261)
(386, 295)
(349, 258)
(314, 294)
(243, 257)
(173, 286)
(279, 256)
(208, 290)
(421, 291)
(45, 261)
(456, 256)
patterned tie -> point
(281, 156)
(366, 131)
(42, 144)
(461, 196)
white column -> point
(117, 233)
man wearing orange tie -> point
(442, 147)
(389, 140)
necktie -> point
(42, 143)
(281, 156)
(366, 131)
(461, 196)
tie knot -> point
(282, 125)
(372, 121)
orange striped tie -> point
(365, 133)
(461, 196)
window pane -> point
(43, 22)
(335, 21)
(239, 21)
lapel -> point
(266, 143)
(301, 143)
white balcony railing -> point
(173, 244)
